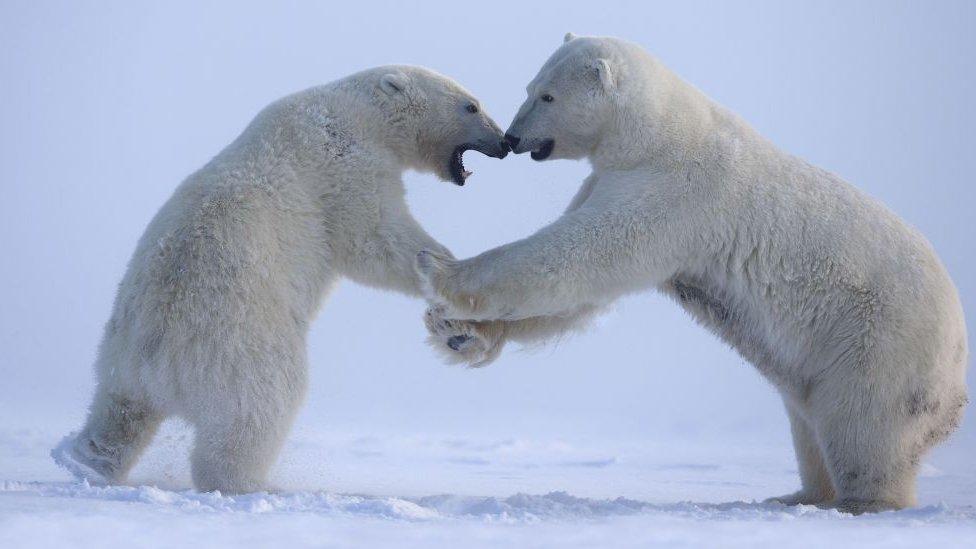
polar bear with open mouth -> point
(210, 320)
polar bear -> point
(210, 320)
(840, 304)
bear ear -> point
(569, 36)
(393, 83)
(604, 73)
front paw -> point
(430, 267)
(476, 344)
(447, 287)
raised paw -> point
(429, 266)
(449, 285)
(462, 341)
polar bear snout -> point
(517, 143)
(513, 142)
(543, 150)
(496, 147)
(538, 149)
(532, 130)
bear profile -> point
(210, 320)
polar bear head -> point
(435, 121)
(583, 97)
(568, 102)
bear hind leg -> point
(816, 487)
(868, 462)
(117, 431)
(235, 457)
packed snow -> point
(340, 490)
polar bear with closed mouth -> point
(841, 305)
(210, 320)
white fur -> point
(210, 320)
(840, 304)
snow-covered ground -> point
(341, 490)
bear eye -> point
(471, 108)
(547, 98)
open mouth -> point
(543, 151)
(456, 165)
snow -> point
(347, 490)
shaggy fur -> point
(840, 304)
(210, 320)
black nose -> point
(500, 150)
(512, 140)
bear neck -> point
(665, 124)
(309, 134)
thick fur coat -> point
(210, 320)
(839, 303)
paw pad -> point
(456, 342)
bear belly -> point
(732, 323)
